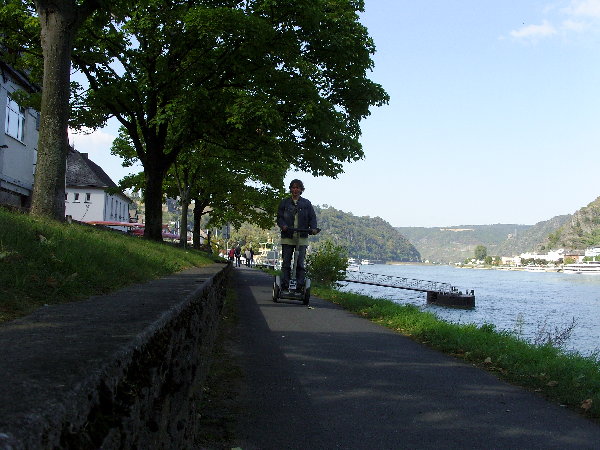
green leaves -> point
(327, 264)
(269, 85)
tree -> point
(292, 79)
(480, 253)
(59, 22)
(289, 76)
(230, 195)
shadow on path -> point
(322, 378)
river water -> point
(526, 303)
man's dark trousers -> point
(287, 251)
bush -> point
(327, 264)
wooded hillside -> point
(365, 237)
(580, 231)
(457, 243)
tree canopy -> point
(480, 252)
(261, 83)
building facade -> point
(18, 140)
(86, 198)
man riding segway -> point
(296, 218)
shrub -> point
(327, 264)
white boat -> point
(365, 262)
(541, 269)
(586, 267)
(353, 267)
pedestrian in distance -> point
(238, 256)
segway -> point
(293, 292)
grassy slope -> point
(45, 262)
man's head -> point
(297, 183)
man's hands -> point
(312, 231)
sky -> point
(494, 115)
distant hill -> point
(580, 231)
(373, 238)
(533, 238)
(365, 237)
(457, 243)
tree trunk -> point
(208, 240)
(57, 31)
(183, 222)
(153, 201)
(198, 207)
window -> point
(15, 119)
(76, 197)
(88, 197)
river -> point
(517, 301)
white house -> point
(86, 199)
(511, 260)
(18, 140)
(551, 256)
(592, 251)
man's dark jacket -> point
(306, 216)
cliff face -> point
(581, 231)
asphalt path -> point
(319, 377)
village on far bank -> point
(577, 261)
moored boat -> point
(541, 269)
(353, 267)
(586, 267)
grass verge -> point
(570, 379)
(47, 262)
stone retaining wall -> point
(124, 370)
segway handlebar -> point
(304, 230)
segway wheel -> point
(275, 292)
(306, 299)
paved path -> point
(322, 378)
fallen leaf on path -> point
(586, 404)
